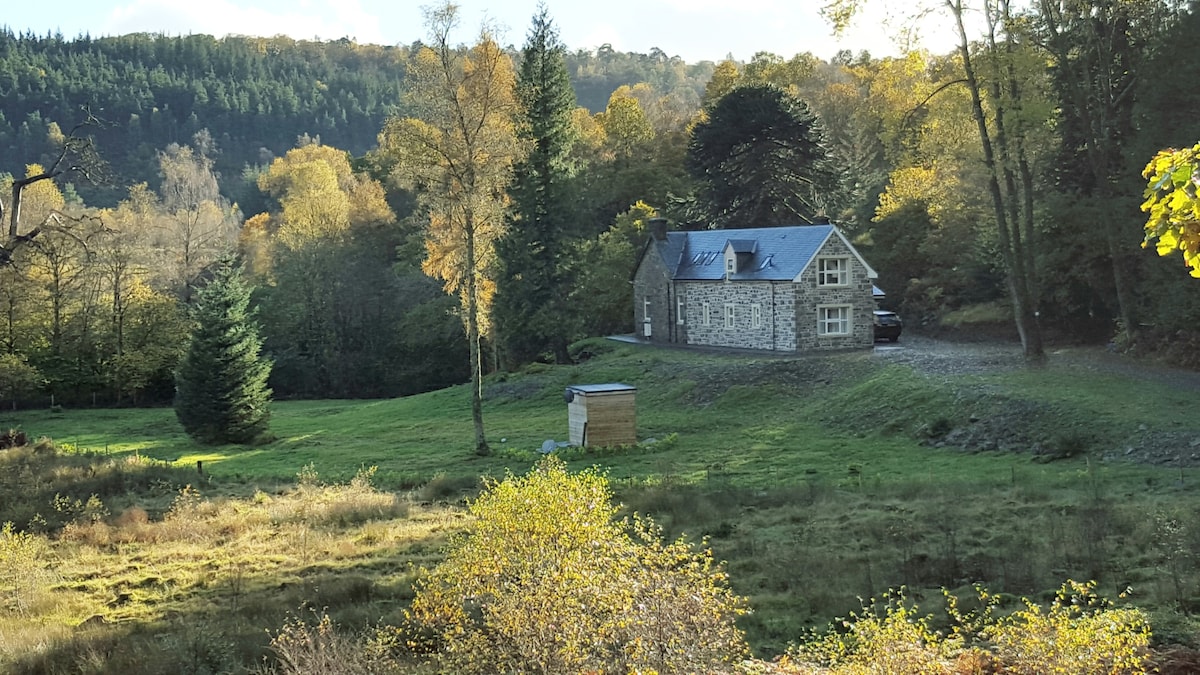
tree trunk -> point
(481, 444)
(1018, 283)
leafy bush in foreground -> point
(1078, 634)
(546, 580)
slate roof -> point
(780, 253)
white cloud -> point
(599, 34)
(328, 19)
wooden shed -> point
(601, 414)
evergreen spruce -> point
(529, 308)
(221, 393)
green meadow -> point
(820, 480)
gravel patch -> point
(989, 422)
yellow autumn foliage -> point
(1079, 633)
(547, 580)
(1173, 177)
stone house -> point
(786, 289)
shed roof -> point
(601, 388)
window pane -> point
(833, 321)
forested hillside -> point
(255, 96)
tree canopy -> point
(760, 160)
(1173, 204)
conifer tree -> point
(528, 308)
(221, 393)
(760, 159)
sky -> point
(694, 30)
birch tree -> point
(456, 152)
(200, 224)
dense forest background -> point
(271, 146)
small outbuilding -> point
(601, 414)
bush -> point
(28, 569)
(320, 649)
(546, 580)
(1079, 634)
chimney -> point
(821, 220)
(658, 228)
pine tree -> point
(530, 293)
(221, 393)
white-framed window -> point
(705, 314)
(730, 265)
(679, 309)
(833, 320)
(833, 271)
(756, 315)
(729, 315)
(645, 309)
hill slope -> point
(819, 478)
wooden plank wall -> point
(603, 419)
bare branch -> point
(77, 155)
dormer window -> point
(738, 256)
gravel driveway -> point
(1002, 423)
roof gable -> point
(871, 273)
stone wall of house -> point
(679, 323)
(785, 317)
(742, 296)
(651, 284)
(857, 294)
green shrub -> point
(546, 580)
(27, 563)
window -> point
(679, 309)
(833, 271)
(833, 320)
(730, 265)
(729, 315)
(756, 315)
(646, 309)
(705, 314)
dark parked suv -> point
(887, 325)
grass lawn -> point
(814, 477)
